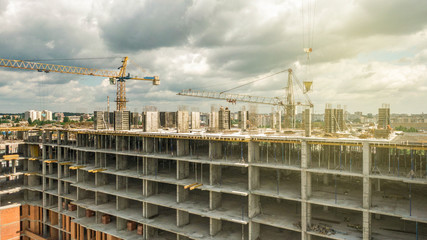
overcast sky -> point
(365, 52)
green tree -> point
(66, 119)
(30, 121)
(81, 118)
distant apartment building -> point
(31, 114)
(405, 118)
(44, 115)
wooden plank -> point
(34, 235)
(190, 185)
(67, 227)
(73, 230)
(196, 186)
(82, 233)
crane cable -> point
(245, 84)
(308, 13)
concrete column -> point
(156, 145)
(58, 137)
(121, 203)
(254, 205)
(151, 210)
(118, 143)
(97, 159)
(181, 194)
(215, 226)
(99, 179)
(215, 199)
(100, 198)
(182, 218)
(215, 150)
(305, 220)
(253, 152)
(367, 190)
(150, 232)
(120, 224)
(367, 221)
(253, 177)
(59, 153)
(149, 145)
(120, 182)
(150, 166)
(182, 147)
(150, 188)
(254, 230)
(182, 170)
(66, 138)
(121, 162)
(66, 187)
(59, 172)
(215, 174)
(13, 166)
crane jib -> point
(113, 75)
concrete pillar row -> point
(367, 190)
(305, 190)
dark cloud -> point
(150, 25)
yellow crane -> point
(118, 77)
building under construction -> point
(102, 184)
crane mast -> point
(121, 87)
(290, 103)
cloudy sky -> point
(365, 52)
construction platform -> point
(104, 184)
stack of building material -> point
(72, 207)
(106, 219)
(140, 229)
(89, 213)
(131, 226)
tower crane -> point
(115, 77)
(287, 102)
